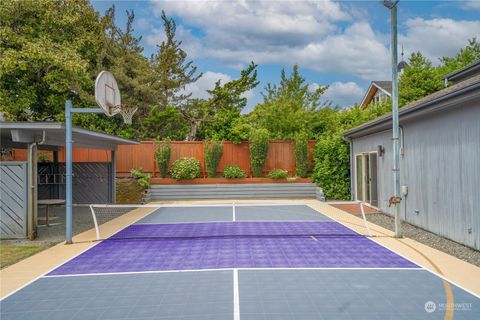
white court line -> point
(219, 269)
(233, 212)
(236, 296)
(66, 261)
(401, 255)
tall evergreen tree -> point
(418, 80)
(172, 71)
(289, 108)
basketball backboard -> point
(107, 93)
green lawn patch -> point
(11, 253)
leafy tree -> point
(48, 53)
(227, 102)
(288, 108)
(331, 154)
(418, 80)
(214, 118)
(167, 123)
(464, 57)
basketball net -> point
(126, 110)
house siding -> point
(440, 166)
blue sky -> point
(343, 44)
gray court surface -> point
(188, 214)
(262, 294)
(175, 295)
(347, 294)
(278, 213)
(225, 213)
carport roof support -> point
(18, 134)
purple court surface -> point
(192, 246)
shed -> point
(440, 162)
(22, 183)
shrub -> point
(258, 150)
(301, 154)
(162, 154)
(186, 168)
(233, 171)
(213, 153)
(143, 179)
(332, 166)
(278, 174)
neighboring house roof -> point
(464, 73)
(441, 99)
(384, 86)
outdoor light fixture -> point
(380, 150)
(390, 4)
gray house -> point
(440, 160)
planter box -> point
(168, 181)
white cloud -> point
(344, 94)
(206, 82)
(436, 38)
(471, 4)
(143, 24)
(324, 36)
(191, 44)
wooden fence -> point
(281, 155)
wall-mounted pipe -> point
(32, 190)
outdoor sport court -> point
(243, 261)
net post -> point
(97, 230)
(365, 219)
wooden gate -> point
(13, 199)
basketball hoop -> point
(127, 111)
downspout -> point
(32, 192)
(352, 196)
(32, 184)
(402, 141)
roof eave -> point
(381, 123)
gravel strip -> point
(430, 239)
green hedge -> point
(213, 152)
(162, 155)
(233, 171)
(332, 166)
(278, 174)
(186, 168)
(301, 154)
(258, 150)
(142, 178)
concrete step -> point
(233, 191)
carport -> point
(19, 185)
